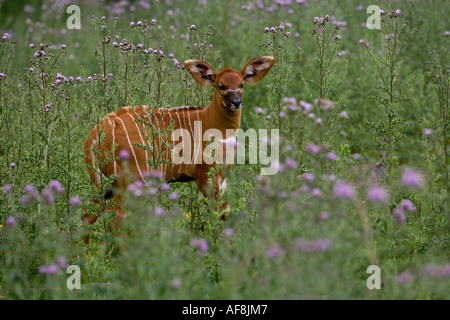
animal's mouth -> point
(235, 107)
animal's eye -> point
(222, 87)
(242, 85)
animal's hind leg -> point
(117, 206)
(111, 203)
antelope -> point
(122, 130)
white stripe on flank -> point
(112, 125)
(168, 153)
(182, 139)
(142, 139)
(132, 149)
(96, 169)
(192, 136)
(186, 127)
(156, 124)
(200, 138)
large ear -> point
(257, 68)
(202, 72)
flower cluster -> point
(437, 271)
(279, 29)
(200, 244)
(412, 179)
(319, 245)
(54, 268)
(405, 206)
(377, 194)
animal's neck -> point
(220, 117)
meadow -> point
(363, 168)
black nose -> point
(236, 102)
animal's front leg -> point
(216, 192)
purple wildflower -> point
(200, 244)
(319, 245)
(55, 186)
(404, 277)
(10, 221)
(412, 179)
(304, 189)
(331, 156)
(42, 270)
(29, 188)
(176, 283)
(437, 271)
(407, 205)
(291, 163)
(274, 252)
(124, 154)
(228, 232)
(323, 215)
(75, 202)
(24, 200)
(306, 106)
(7, 188)
(312, 148)
(343, 190)
(48, 196)
(400, 215)
(377, 194)
(136, 188)
(165, 187)
(62, 262)
(343, 114)
(427, 132)
(52, 269)
(316, 193)
(174, 197)
(159, 211)
(309, 177)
